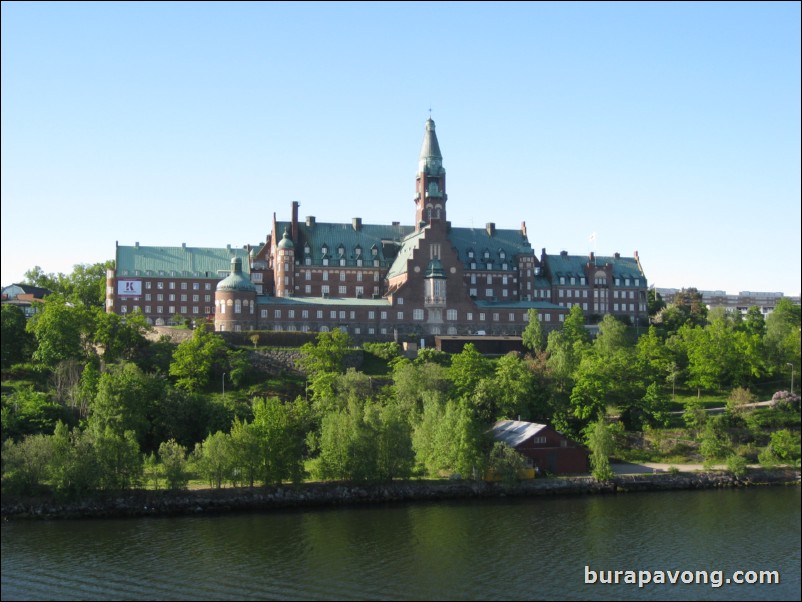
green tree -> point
(195, 360)
(533, 333)
(506, 462)
(601, 444)
(246, 452)
(515, 384)
(574, 326)
(85, 285)
(612, 337)
(125, 400)
(16, 344)
(173, 457)
(413, 382)
(118, 458)
(214, 458)
(467, 369)
(281, 430)
(62, 331)
(654, 302)
(26, 464)
(327, 354)
(782, 338)
(121, 337)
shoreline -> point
(141, 503)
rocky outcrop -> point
(164, 503)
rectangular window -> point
(342, 276)
(495, 317)
(371, 315)
(148, 284)
(384, 315)
(469, 317)
(277, 313)
(512, 317)
(333, 314)
(308, 289)
(207, 286)
(291, 314)
(172, 285)
(195, 309)
(319, 314)
(451, 314)
(196, 298)
(160, 285)
(343, 291)
(183, 286)
(325, 275)
(305, 314)
(342, 315)
(488, 292)
(308, 275)
(264, 313)
(481, 317)
(417, 314)
(196, 286)
(324, 289)
(400, 315)
(400, 301)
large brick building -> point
(381, 281)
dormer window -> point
(358, 251)
(324, 250)
(470, 254)
(502, 254)
(341, 250)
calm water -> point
(502, 549)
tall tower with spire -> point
(430, 182)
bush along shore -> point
(140, 503)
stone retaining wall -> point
(165, 503)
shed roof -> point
(515, 432)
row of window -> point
(196, 286)
(602, 280)
(171, 309)
(417, 314)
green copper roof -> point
(501, 246)
(356, 242)
(183, 261)
(431, 159)
(435, 269)
(236, 281)
(285, 242)
(408, 246)
(574, 266)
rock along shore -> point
(139, 503)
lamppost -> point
(224, 384)
(792, 377)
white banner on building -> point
(129, 288)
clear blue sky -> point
(670, 129)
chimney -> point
(491, 228)
(523, 229)
(617, 255)
(310, 221)
(592, 256)
(396, 223)
(136, 244)
(563, 253)
(356, 222)
(183, 245)
(294, 232)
